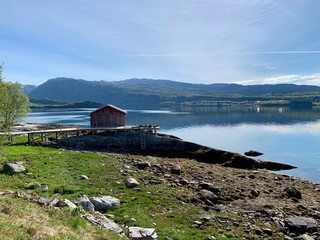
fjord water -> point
(284, 135)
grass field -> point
(157, 206)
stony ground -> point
(282, 205)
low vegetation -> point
(158, 206)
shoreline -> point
(270, 203)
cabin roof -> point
(110, 106)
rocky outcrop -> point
(13, 168)
(169, 146)
(138, 233)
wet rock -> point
(137, 233)
(301, 224)
(253, 153)
(13, 168)
(85, 203)
(104, 203)
(131, 182)
(176, 169)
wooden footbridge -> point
(63, 133)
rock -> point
(268, 231)
(12, 168)
(305, 237)
(137, 233)
(44, 187)
(253, 153)
(54, 202)
(142, 165)
(254, 193)
(69, 204)
(183, 181)
(176, 169)
(104, 203)
(292, 192)
(208, 195)
(131, 182)
(43, 201)
(301, 224)
(32, 185)
(84, 177)
(85, 203)
(104, 223)
(155, 181)
(210, 187)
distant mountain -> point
(27, 89)
(134, 93)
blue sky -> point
(197, 41)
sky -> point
(195, 41)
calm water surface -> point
(285, 135)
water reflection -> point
(283, 134)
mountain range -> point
(148, 93)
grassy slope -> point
(150, 205)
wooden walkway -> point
(64, 133)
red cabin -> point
(108, 116)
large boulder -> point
(85, 203)
(13, 168)
(300, 225)
(138, 233)
(104, 203)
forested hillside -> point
(146, 93)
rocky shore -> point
(273, 206)
(267, 205)
(166, 145)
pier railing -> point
(64, 133)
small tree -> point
(14, 104)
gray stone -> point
(12, 168)
(254, 193)
(54, 202)
(301, 224)
(305, 237)
(85, 203)
(176, 169)
(69, 204)
(137, 233)
(44, 187)
(142, 165)
(208, 195)
(210, 187)
(131, 182)
(104, 223)
(292, 192)
(104, 203)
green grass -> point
(157, 206)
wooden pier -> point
(64, 133)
